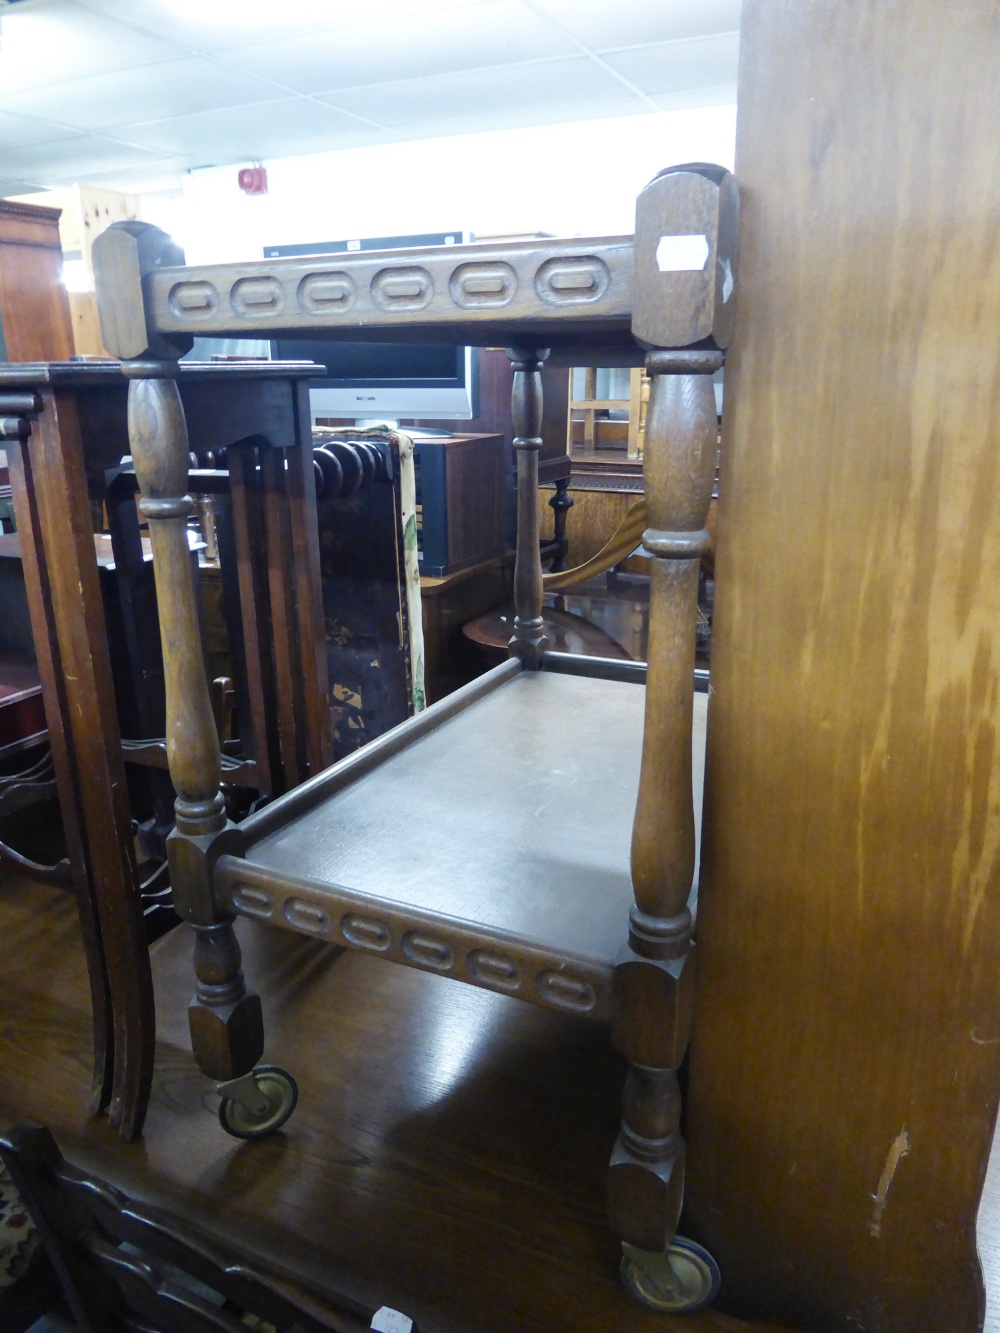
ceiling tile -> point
(13, 186)
(204, 26)
(701, 62)
(604, 24)
(148, 92)
(554, 113)
(85, 152)
(690, 99)
(159, 174)
(16, 131)
(513, 95)
(137, 72)
(250, 134)
(494, 33)
(59, 41)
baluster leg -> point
(528, 641)
(560, 504)
(227, 1031)
(654, 976)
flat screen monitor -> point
(376, 381)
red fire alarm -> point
(252, 180)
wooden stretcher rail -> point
(471, 952)
(554, 291)
(604, 668)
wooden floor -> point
(447, 1155)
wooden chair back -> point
(126, 1266)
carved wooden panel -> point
(453, 289)
(452, 948)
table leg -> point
(53, 679)
(88, 718)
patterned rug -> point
(19, 1241)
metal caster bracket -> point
(678, 1280)
(247, 1091)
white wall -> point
(577, 179)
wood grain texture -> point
(399, 831)
(594, 517)
(528, 642)
(560, 291)
(158, 437)
(249, 549)
(655, 971)
(313, 703)
(33, 303)
(64, 542)
(117, 1260)
(445, 1158)
(54, 683)
(844, 1077)
(676, 300)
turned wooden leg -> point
(654, 977)
(227, 1029)
(529, 641)
(225, 1017)
(560, 504)
(226, 1026)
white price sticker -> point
(682, 254)
(388, 1320)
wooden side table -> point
(73, 427)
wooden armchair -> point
(501, 852)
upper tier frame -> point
(669, 285)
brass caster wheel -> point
(258, 1103)
(679, 1281)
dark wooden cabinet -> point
(461, 508)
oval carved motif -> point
(578, 280)
(196, 300)
(305, 917)
(428, 951)
(320, 292)
(565, 992)
(364, 932)
(255, 298)
(496, 970)
(252, 902)
(483, 286)
(403, 288)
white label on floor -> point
(388, 1320)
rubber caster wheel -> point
(259, 1104)
(680, 1281)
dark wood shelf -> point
(530, 898)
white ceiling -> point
(133, 93)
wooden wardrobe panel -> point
(34, 306)
(844, 1071)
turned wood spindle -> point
(654, 978)
(225, 1017)
(529, 641)
(158, 438)
(679, 472)
(560, 504)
